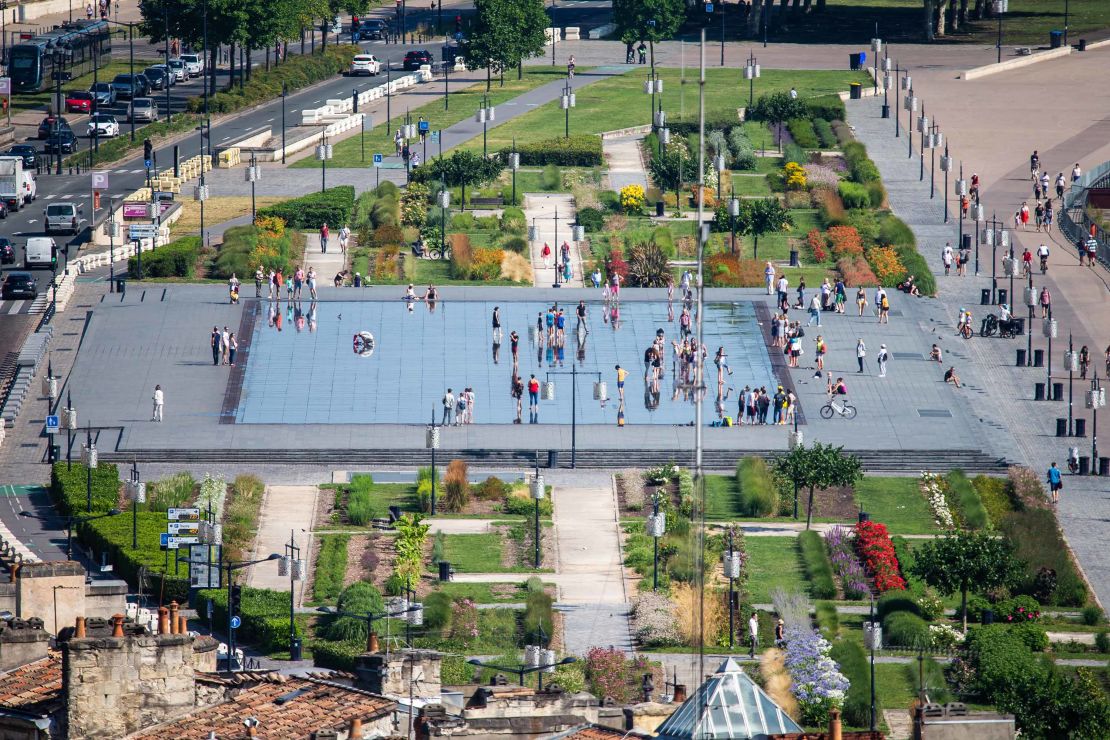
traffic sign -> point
(142, 231)
(184, 528)
(183, 515)
(174, 541)
(100, 181)
(435, 136)
(424, 126)
(52, 424)
(235, 622)
(709, 7)
(5, 85)
(378, 160)
(147, 163)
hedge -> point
(234, 255)
(758, 493)
(853, 195)
(860, 166)
(896, 601)
(815, 558)
(333, 206)
(296, 72)
(904, 629)
(972, 511)
(580, 150)
(339, 656)
(538, 615)
(331, 567)
(68, 488)
(826, 108)
(176, 259)
(853, 664)
(112, 536)
(802, 131)
(264, 614)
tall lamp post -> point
(653, 86)
(291, 565)
(323, 153)
(514, 165)
(1000, 7)
(888, 82)
(234, 596)
(548, 392)
(284, 94)
(733, 212)
(876, 48)
(538, 492)
(935, 138)
(1096, 399)
(1049, 328)
(905, 83)
(945, 167)
(910, 102)
(924, 130)
(722, 167)
(1031, 302)
(656, 528)
(486, 113)
(254, 174)
(978, 213)
(873, 639)
(444, 205)
(567, 102)
(997, 237)
(751, 71)
(1071, 359)
(136, 492)
(431, 441)
(733, 561)
(89, 457)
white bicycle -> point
(843, 408)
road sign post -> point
(377, 168)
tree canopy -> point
(505, 33)
(762, 216)
(955, 562)
(648, 20)
(818, 466)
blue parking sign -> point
(709, 7)
(424, 125)
(377, 160)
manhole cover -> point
(935, 413)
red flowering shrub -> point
(845, 241)
(615, 265)
(817, 245)
(875, 549)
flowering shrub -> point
(845, 241)
(933, 486)
(816, 680)
(819, 177)
(853, 579)
(856, 271)
(944, 636)
(615, 265)
(464, 620)
(610, 674)
(817, 245)
(726, 271)
(485, 263)
(1018, 609)
(653, 621)
(794, 176)
(886, 265)
(632, 198)
(877, 552)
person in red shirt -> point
(324, 237)
(533, 395)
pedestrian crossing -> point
(125, 171)
(24, 306)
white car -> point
(194, 64)
(104, 125)
(178, 68)
(365, 64)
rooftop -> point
(34, 685)
(597, 732)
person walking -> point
(882, 357)
(1046, 303)
(861, 300)
(621, 375)
(259, 276)
(946, 258)
(324, 237)
(344, 239)
(753, 633)
(159, 402)
(448, 408)
(1084, 362)
(1055, 482)
(545, 253)
(884, 307)
(861, 352)
(533, 395)
(215, 342)
(517, 392)
(225, 337)
(814, 310)
(580, 311)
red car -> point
(80, 101)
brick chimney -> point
(22, 641)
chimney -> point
(252, 731)
(163, 620)
(679, 693)
(372, 645)
(173, 617)
(182, 624)
(834, 724)
(117, 625)
(79, 629)
(356, 729)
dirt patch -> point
(356, 569)
(635, 495)
(519, 552)
(325, 507)
(831, 503)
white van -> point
(41, 251)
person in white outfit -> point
(159, 401)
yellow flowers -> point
(632, 198)
(794, 176)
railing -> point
(1075, 223)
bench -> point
(498, 201)
(1023, 51)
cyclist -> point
(570, 66)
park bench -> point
(498, 201)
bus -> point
(71, 47)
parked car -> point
(365, 64)
(27, 151)
(178, 68)
(79, 101)
(63, 139)
(7, 250)
(63, 217)
(46, 127)
(20, 285)
(374, 30)
(3, 210)
(142, 109)
(156, 77)
(103, 93)
(415, 59)
(124, 86)
(103, 125)
(194, 64)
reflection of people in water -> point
(496, 353)
(312, 316)
(620, 415)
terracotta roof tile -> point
(319, 705)
(38, 682)
(597, 732)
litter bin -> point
(1080, 429)
(967, 241)
(1019, 326)
(853, 61)
(1002, 295)
(886, 110)
(1038, 358)
(1020, 358)
(659, 209)
(985, 297)
(394, 514)
(295, 649)
(1057, 392)
(1104, 466)
(1055, 39)
(855, 91)
(1038, 391)
(794, 258)
(1061, 427)
(444, 570)
(1084, 465)
(121, 285)
(988, 616)
(552, 458)
(1083, 44)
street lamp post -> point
(323, 153)
(1049, 328)
(874, 636)
(1000, 7)
(486, 113)
(910, 103)
(1096, 399)
(254, 174)
(876, 48)
(538, 492)
(444, 204)
(935, 138)
(998, 237)
(1071, 359)
(751, 71)
(567, 102)
(653, 86)
(89, 458)
(136, 491)
(231, 566)
(656, 528)
(978, 213)
(945, 167)
(722, 168)
(514, 165)
(431, 441)
(284, 94)
(292, 565)
(924, 130)
(887, 84)
(1031, 302)
(599, 392)
(733, 561)
(733, 212)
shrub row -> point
(815, 559)
(176, 259)
(333, 206)
(905, 629)
(580, 150)
(825, 133)
(827, 108)
(331, 567)
(853, 664)
(802, 131)
(376, 208)
(339, 656)
(243, 245)
(68, 488)
(296, 72)
(1043, 553)
(860, 167)
(113, 150)
(758, 493)
(972, 512)
(264, 614)
(360, 510)
(853, 195)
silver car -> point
(143, 109)
(178, 68)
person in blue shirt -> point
(1055, 483)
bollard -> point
(1080, 428)
(1057, 392)
(1038, 391)
(1104, 466)
(985, 297)
(1038, 358)
(1084, 465)
(1020, 358)
(1061, 427)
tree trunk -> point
(302, 41)
(941, 15)
(930, 9)
(753, 19)
(961, 17)
(520, 70)
(211, 76)
(231, 67)
(489, 75)
(502, 76)
(323, 37)
(963, 606)
(809, 506)
(267, 57)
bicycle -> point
(845, 409)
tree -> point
(461, 169)
(648, 20)
(763, 216)
(493, 36)
(956, 561)
(818, 466)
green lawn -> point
(474, 553)
(464, 103)
(750, 184)
(898, 503)
(438, 272)
(485, 593)
(721, 497)
(619, 102)
(773, 562)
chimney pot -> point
(173, 617)
(679, 693)
(182, 624)
(163, 620)
(372, 645)
(835, 730)
(79, 629)
(356, 729)
(117, 625)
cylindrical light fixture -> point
(665, 135)
(1049, 328)
(1071, 359)
(547, 390)
(734, 207)
(431, 438)
(577, 232)
(601, 391)
(444, 198)
(961, 184)
(514, 161)
(537, 489)
(945, 163)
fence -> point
(1075, 222)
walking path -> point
(284, 508)
(553, 214)
(626, 163)
(328, 264)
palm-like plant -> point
(647, 266)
